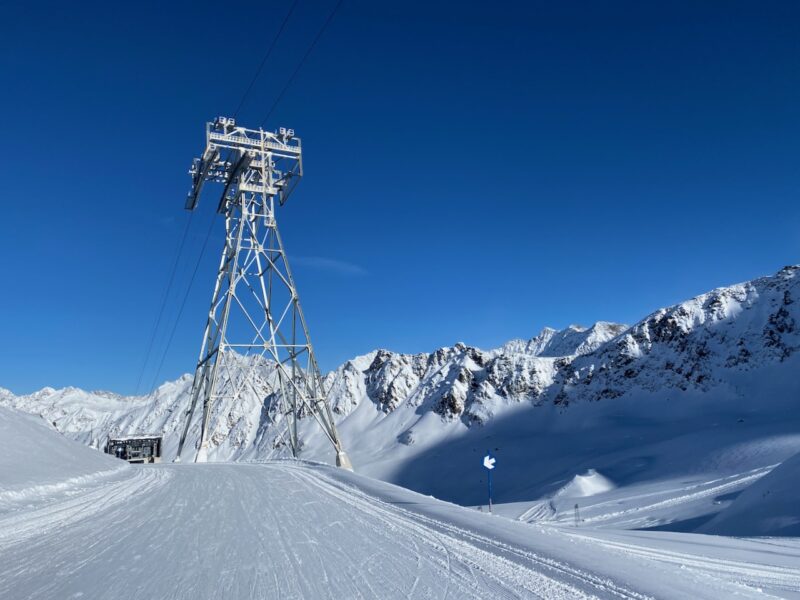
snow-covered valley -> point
(90, 526)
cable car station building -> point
(135, 448)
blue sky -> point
(471, 174)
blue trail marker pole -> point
(488, 462)
(490, 491)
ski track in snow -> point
(674, 497)
(292, 530)
(749, 574)
(263, 531)
(260, 531)
(91, 496)
(479, 552)
(14, 496)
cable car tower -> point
(255, 320)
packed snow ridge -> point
(589, 483)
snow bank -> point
(35, 456)
(770, 506)
(588, 484)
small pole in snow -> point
(490, 491)
(488, 462)
(577, 515)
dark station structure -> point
(135, 448)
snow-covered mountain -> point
(567, 342)
(732, 351)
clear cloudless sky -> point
(474, 171)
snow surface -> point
(287, 529)
(586, 484)
(34, 456)
(768, 507)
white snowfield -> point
(285, 529)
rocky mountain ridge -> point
(705, 345)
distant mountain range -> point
(733, 350)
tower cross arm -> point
(255, 160)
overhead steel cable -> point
(303, 60)
(183, 303)
(163, 303)
(265, 59)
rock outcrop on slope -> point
(707, 342)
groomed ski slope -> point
(298, 530)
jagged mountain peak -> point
(698, 345)
(570, 341)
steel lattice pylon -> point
(255, 309)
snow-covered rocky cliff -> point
(733, 350)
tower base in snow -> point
(343, 461)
